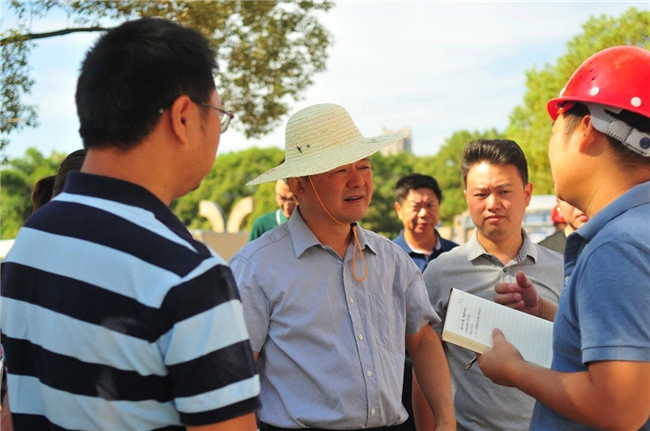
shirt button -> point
(360, 336)
(505, 269)
(351, 300)
(372, 411)
(369, 373)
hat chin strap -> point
(634, 139)
(357, 244)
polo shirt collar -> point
(125, 192)
(401, 241)
(528, 249)
(637, 195)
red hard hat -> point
(556, 215)
(618, 77)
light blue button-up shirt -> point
(331, 348)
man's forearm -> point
(595, 397)
(432, 372)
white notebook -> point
(470, 320)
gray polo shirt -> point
(479, 403)
(331, 348)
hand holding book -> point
(470, 320)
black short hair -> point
(625, 156)
(416, 181)
(133, 72)
(42, 192)
(498, 152)
(72, 162)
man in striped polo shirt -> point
(113, 317)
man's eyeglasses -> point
(224, 116)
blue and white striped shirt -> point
(113, 317)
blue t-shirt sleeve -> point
(613, 303)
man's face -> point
(345, 191)
(562, 155)
(284, 198)
(205, 141)
(497, 200)
(572, 215)
(419, 211)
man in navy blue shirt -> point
(417, 203)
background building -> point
(537, 220)
(405, 144)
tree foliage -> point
(14, 84)
(268, 51)
(17, 180)
(226, 183)
(529, 123)
(445, 168)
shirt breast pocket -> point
(389, 322)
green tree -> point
(529, 123)
(226, 184)
(17, 181)
(386, 170)
(268, 51)
(445, 168)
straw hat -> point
(320, 138)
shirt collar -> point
(303, 238)
(637, 195)
(401, 241)
(475, 249)
(120, 191)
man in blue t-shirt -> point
(600, 157)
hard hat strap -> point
(604, 122)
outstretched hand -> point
(498, 362)
(521, 295)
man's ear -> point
(297, 187)
(591, 140)
(528, 192)
(397, 207)
(179, 113)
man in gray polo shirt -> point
(495, 174)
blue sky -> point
(435, 67)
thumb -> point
(497, 335)
(522, 280)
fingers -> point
(523, 281)
(497, 334)
(513, 300)
(503, 287)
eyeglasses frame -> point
(225, 116)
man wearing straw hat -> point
(329, 305)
